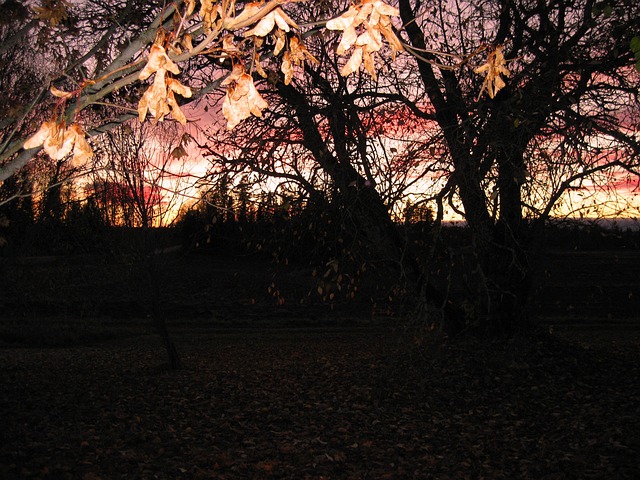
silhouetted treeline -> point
(299, 235)
(81, 231)
(307, 233)
(591, 236)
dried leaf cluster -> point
(363, 26)
(58, 141)
(52, 11)
(159, 99)
(211, 13)
(242, 99)
(295, 55)
(278, 25)
(275, 18)
(241, 36)
(494, 67)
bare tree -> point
(571, 85)
(564, 116)
(139, 164)
(505, 164)
(143, 167)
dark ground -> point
(297, 392)
(329, 403)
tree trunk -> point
(153, 296)
(496, 258)
(371, 217)
(499, 252)
(368, 213)
(173, 357)
(511, 272)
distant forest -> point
(274, 231)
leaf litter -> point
(350, 403)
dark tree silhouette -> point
(568, 111)
(571, 84)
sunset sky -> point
(616, 197)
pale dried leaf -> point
(229, 46)
(236, 72)
(250, 12)
(494, 67)
(234, 111)
(256, 102)
(56, 92)
(299, 52)
(175, 86)
(143, 108)
(370, 39)
(60, 142)
(242, 100)
(187, 42)
(258, 66)
(211, 14)
(365, 9)
(393, 41)
(364, 25)
(269, 21)
(369, 63)
(263, 27)
(353, 64)
(82, 151)
(281, 41)
(283, 20)
(158, 59)
(155, 99)
(191, 6)
(349, 37)
(241, 87)
(287, 68)
(344, 21)
(38, 138)
(384, 9)
(175, 109)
